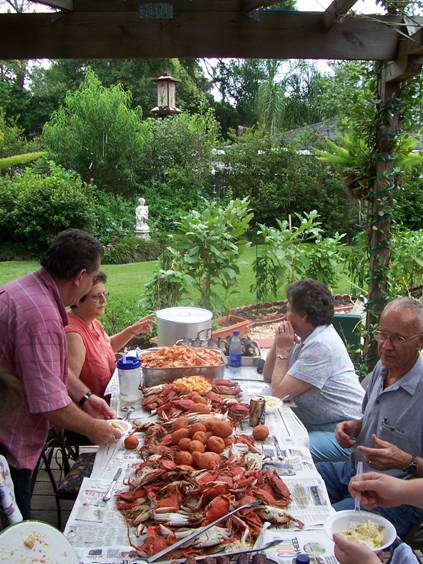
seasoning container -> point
(257, 411)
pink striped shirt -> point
(32, 346)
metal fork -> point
(279, 452)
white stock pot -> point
(176, 323)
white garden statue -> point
(141, 213)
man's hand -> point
(347, 431)
(377, 490)
(348, 552)
(101, 433)
(98, 408)
(385, 456)
(284, 338)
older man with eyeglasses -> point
(389, 436)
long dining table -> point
(99, 534)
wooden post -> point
(380, 200)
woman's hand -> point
(348, 552)
(284, 338)
(143, 325)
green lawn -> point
(127, 281)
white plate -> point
(49, 544)
(272, 403)
(342, 520)
(121, 425)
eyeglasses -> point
(381, 337)
(102, 296)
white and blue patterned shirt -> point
(323, 361)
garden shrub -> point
(131, 249)
(114, 216)
(175, 165)
(171, 197)
(35, 206)
(97, 134)
(280, 181)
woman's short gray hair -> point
(407, 303)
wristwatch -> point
(412, 467)
(84, 398)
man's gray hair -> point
(407, 303)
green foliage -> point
(168, 284)
(324, 257)
(97, 134)
(114, 216)
(284, 257)
(175, 165)
(271, 99)
(408, 209)
(131, 249)
(405, 266)
(279, 180)
(207, 247)
(352, 156)
(50, 85)
(120, 313)
(35, 206)
(21, 159)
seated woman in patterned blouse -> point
(91, 353)
(308, 363)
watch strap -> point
(412, 467)
(84, 398)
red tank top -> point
(100, 362)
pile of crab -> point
(171, 400)
(194, 470)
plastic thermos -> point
(129, 371)
(302, 558)
(235, 353)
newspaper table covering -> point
(98, 532)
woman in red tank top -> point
(91, 353)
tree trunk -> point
(381, 196)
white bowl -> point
(121, 425)
(342, 520)
(272, 403)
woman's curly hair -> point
(313, 299)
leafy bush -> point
(97, 134)
(168, 283)
(121, 313)
(209, 244)
(279, 181)
(175, 165)
(114, 216)
(286, 255)
(172, 197)
(131, 249)
(35, 206)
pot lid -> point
(184, 314)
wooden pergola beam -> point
(336, 11)
(408, 60)
(58, 4)
(250, 5)
(195, 33)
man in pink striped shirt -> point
(33, 347)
